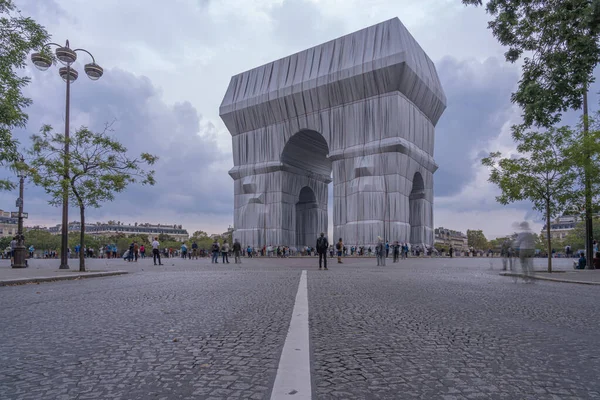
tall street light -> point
(20, 259)
(67, 57)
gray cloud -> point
(478, 106)
(191, 178)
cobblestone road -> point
(430, 329)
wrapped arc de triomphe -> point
(363, 107)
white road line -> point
(293, 374)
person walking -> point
(225, 252)
(237, 252)
(156, 251)
(322, 246)
(380, 252)
(525, 242)
(143, 251)
(339, 247)
(136, 251)
(215, 252)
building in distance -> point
(561, 226)
(446, 238)
(8, 225)
(115, 228)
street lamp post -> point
(67, 57)
(20, 259)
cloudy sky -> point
(167, 68)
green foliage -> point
(97, 167)
(576, 237)
(42, 240)
(19, 35)
(164, 237)
(560, 41)
(543, 174)
(4, 243)
(477, 240)
(584, 152)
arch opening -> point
(307, 176)
(417, 204)
(307, 150)
(307, 218)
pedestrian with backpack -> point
(322, 246)
(215, 252)
(339, 247)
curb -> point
(543, 278)
(23, 281)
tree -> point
(576, 237)
(561, 42)
(200, 235)
(476, 239)
(99, 167)
(18, 37)
(543, 174)
(165, 237)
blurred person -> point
(525, 242)
(237, 251)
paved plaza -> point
(419, 329)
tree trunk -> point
(82, 240)
(548, 238)
(589, 228)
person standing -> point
(31, 251)
(143, 251)
(380, 252)
(183, 251)
(339, 248)
(195, 250)
(136, 251)
(225, 252)
(215, 252)
(156, 251)
(387, 248)
(130, 254)
(396, 251)
(322, 246)
(237, 252)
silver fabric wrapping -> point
(361, 108)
